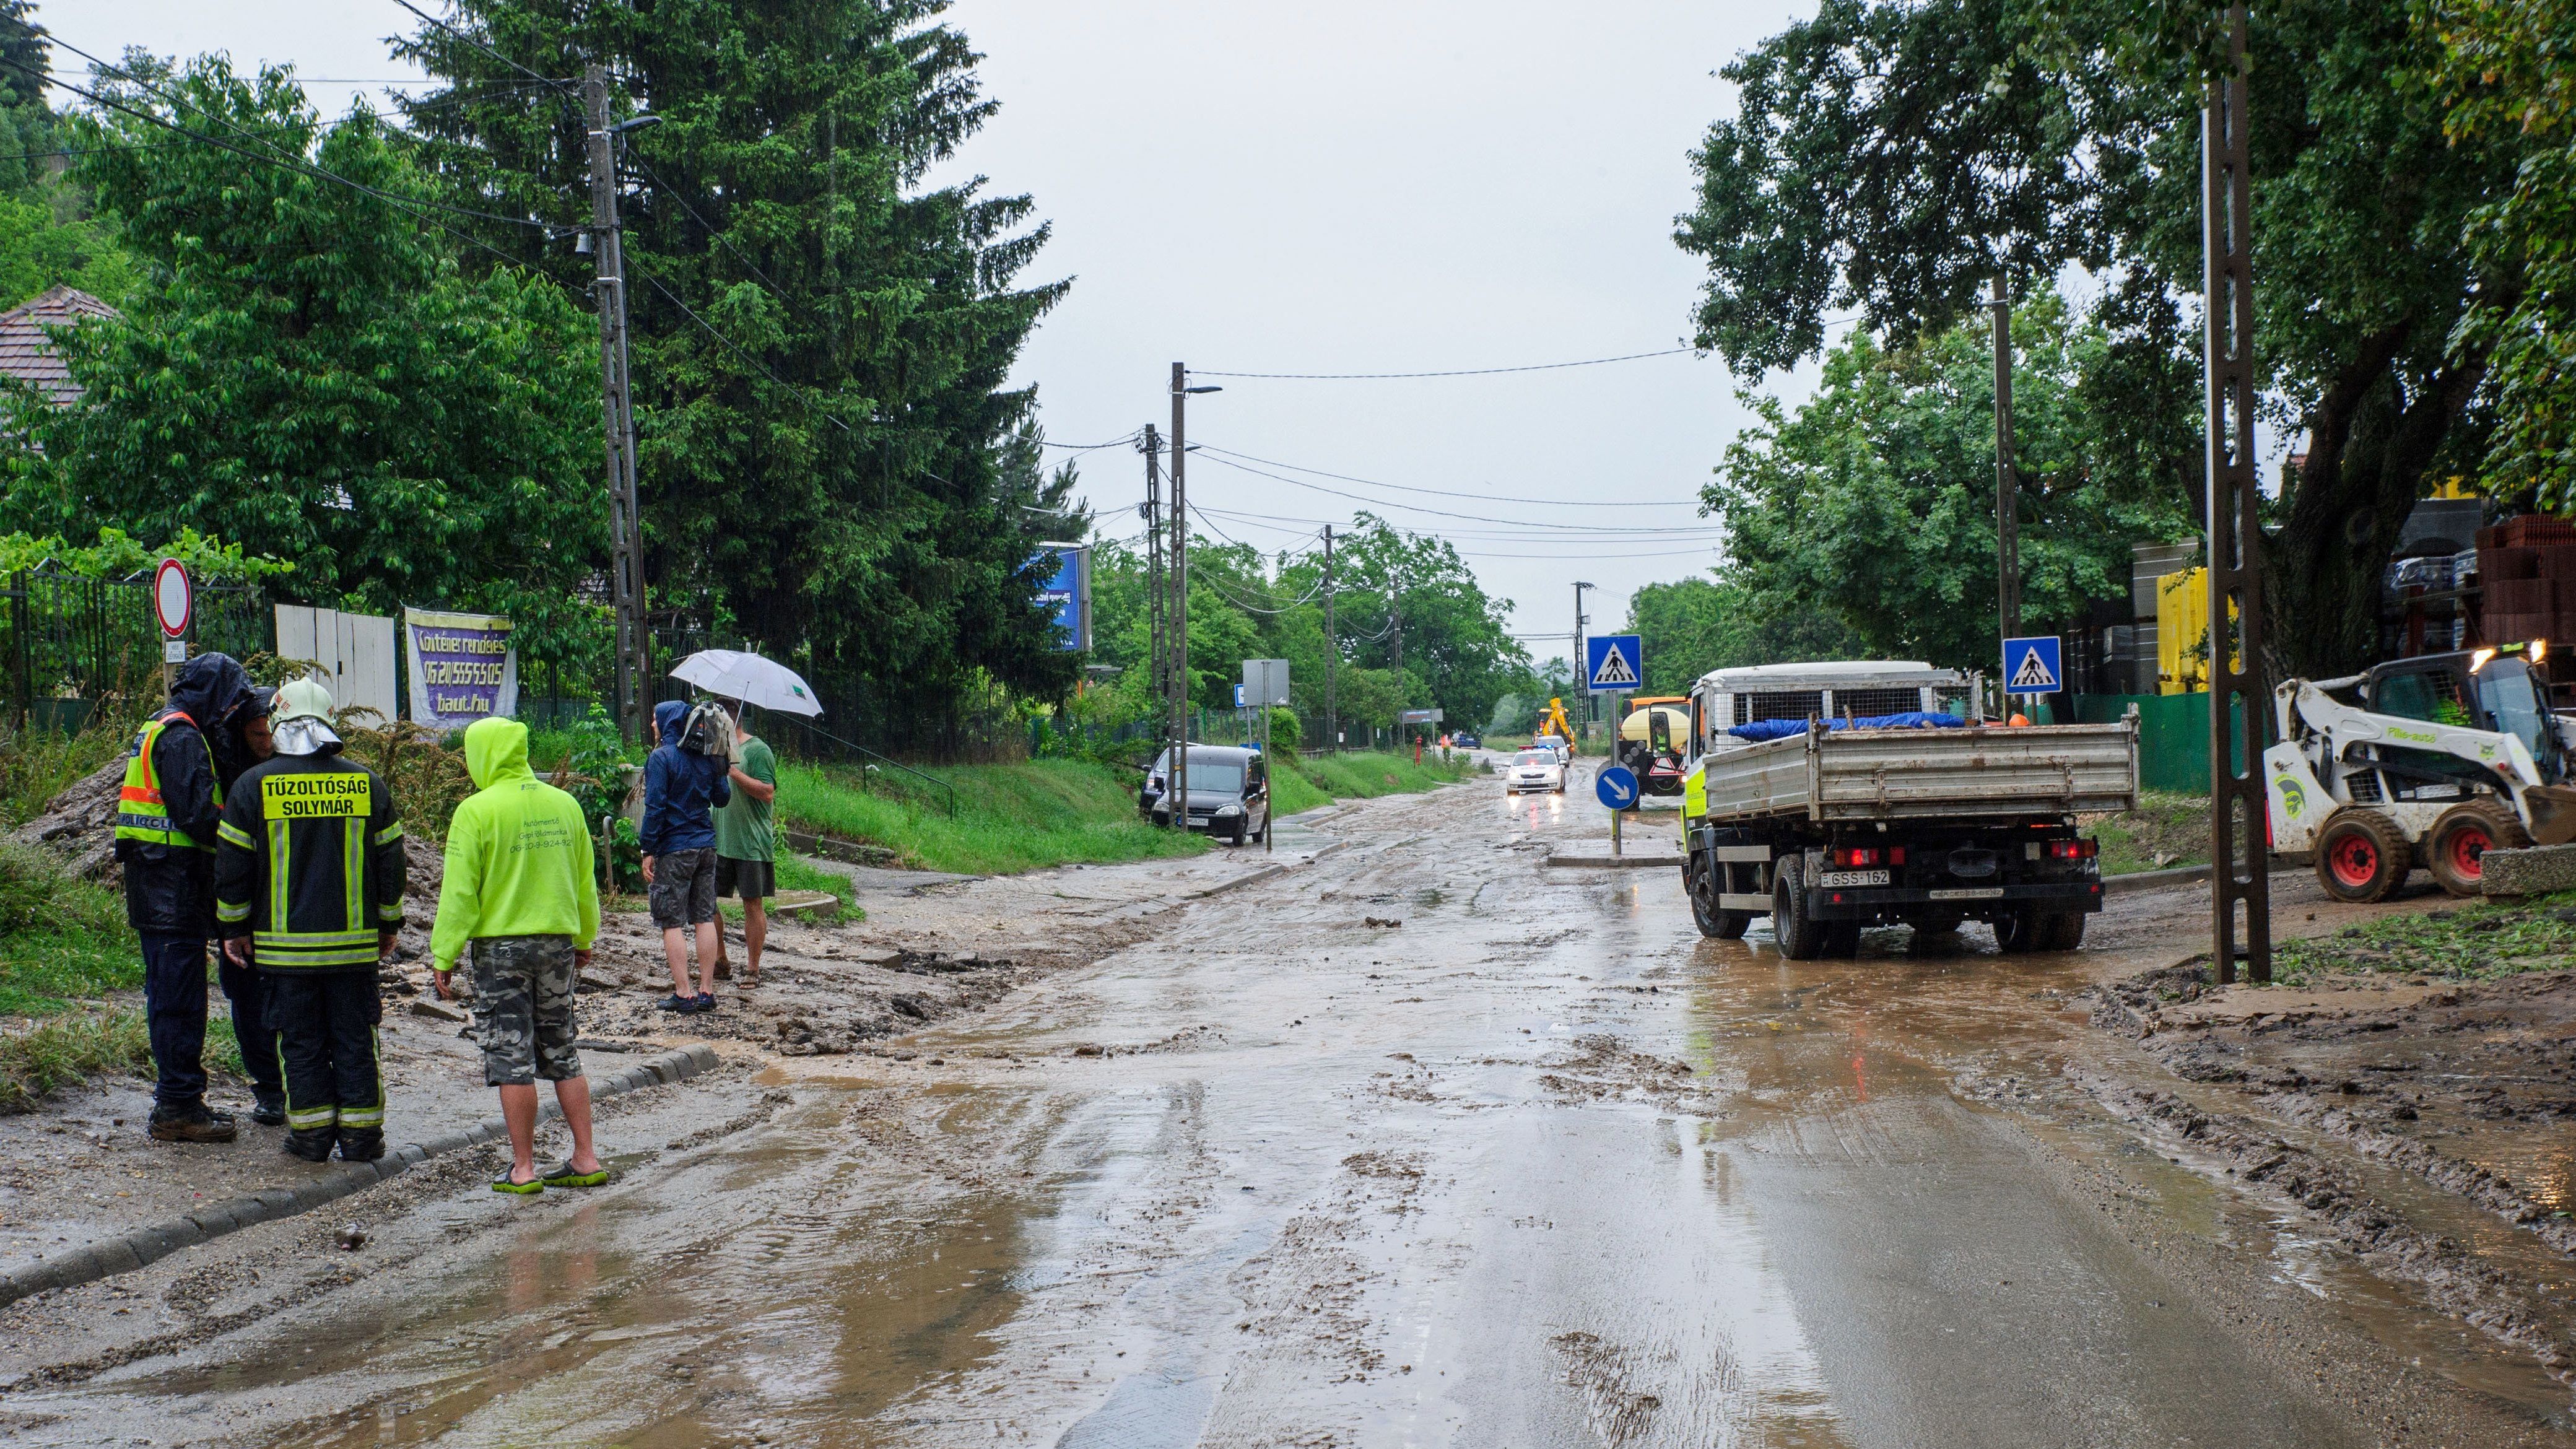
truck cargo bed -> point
(1837, 775)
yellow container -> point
(2182, 632)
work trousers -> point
(174, 1003)
(326, 1041)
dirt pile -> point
(80, 825)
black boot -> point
(361, 1144)
(269, 1110)
(192, 1123)
(313, 1144)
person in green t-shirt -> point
(746, 846)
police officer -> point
(309, 882)
(166, 817)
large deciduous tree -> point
(303, 370)
(822, 337)
(1872, 504)
(1893, 155)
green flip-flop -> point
(562, 1175)
(503, 1183)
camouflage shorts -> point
(683, 892)
(523, 1009)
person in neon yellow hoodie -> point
(519, 892)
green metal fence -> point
(2173, 735)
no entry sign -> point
(174, 598)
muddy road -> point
(1420, 1143)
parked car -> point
(1467, 742)
(1534, 769)
(1229, 792)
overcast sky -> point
(1328, 187)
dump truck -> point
(2433, 760)
(1833, 797)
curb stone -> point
(154, 1241)
(1266, 873)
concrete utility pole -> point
(1155, 601)
(1179, 784)
(1332, 651)
(1181, 391)
(2007, 478)
(617, 406)
(2240, 839)
(1582, 677)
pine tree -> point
(821, 344)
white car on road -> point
(1534, 769)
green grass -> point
(36, 765)
(1310, 782)
(44, 1056)
(2475, 941)
(2165, 832)
(61, 940)
(1009, 817)
(796, 873)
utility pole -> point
(1180, 781)
(1582, 677)
(1332, 651)
(617, 405)
(1155, 601)
(2007, 478)
(2240, 842)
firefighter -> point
(309, 882)
(181, 763)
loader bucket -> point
(2552, 809)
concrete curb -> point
(2157, 880)
(1617, 862)
(155, 1241)
(1268, 873)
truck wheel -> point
(1702, 884)
(2061, 931)
(2017, 931)
(2361, 857)
(2455, 849)
(1801, 937)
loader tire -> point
(2361, 857)
(2455, 848)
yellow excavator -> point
(1552, 721)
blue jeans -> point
(174, 999)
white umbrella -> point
(732, 674)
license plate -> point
(1974, 893)
(1852, 877)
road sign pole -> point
(1615, 813)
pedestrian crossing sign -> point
(2033, 665)
(1613, 663)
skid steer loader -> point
(2431, 761)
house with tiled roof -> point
(28, 355)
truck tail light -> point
(1855, 857)
(2073, 849)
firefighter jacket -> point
(173, 796)
(309, 863)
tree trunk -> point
(2368, 449)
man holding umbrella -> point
(746, 843)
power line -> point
(275, 158)
(1446, 493)
(563, 85)
(1584, 528)
(1452, 372)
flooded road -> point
(1420, 1144)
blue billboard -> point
(1066, 594)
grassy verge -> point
(2166, 831)
(42, 1057)
(61, 940)
(2479, 940)
(796, 873)
(1308, 783)
(1009, 817)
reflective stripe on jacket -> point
(141, 813)
(309, 863)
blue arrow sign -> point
(2033, 665)
(1613, 663)
(1617, 786)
